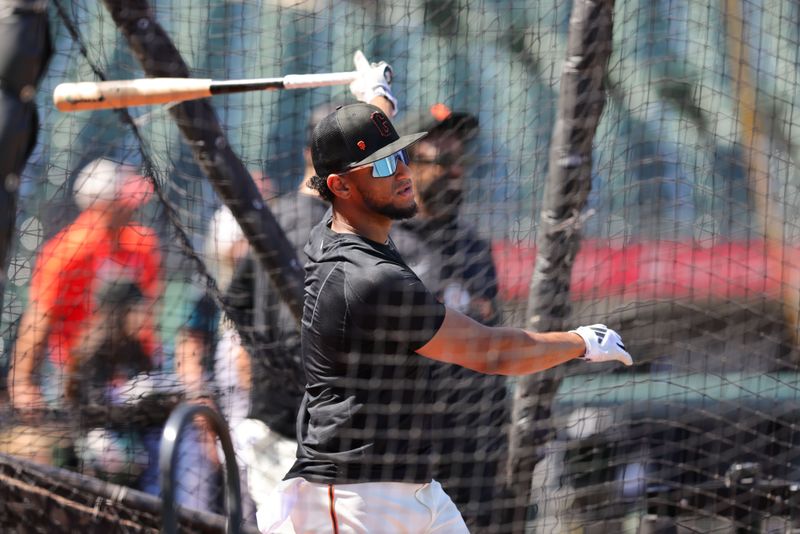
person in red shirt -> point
(100, 247)
(91, 310)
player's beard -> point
(396, 213)
(387, 209)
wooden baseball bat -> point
(82, 96)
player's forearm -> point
(500, 350)
(512, 351)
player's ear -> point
(338, 185)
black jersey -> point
(368, 409)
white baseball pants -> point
(302, 507)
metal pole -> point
(182, 416)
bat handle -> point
(304, 81)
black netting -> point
(673, 220)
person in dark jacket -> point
(455, 264)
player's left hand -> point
(375, 79)
(603, 344)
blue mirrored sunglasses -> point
(387, 166)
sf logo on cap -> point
(382, 123)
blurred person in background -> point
(442, 248)
(88, 339)
(207, 347)
(455, 264)
(205, 337)
(112, 412)
(102, 245)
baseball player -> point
(371, 332)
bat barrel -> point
(126, 93)
(147, 91)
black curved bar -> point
(168, 456)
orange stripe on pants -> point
(332, 508)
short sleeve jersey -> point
(368, 408)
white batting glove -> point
(374, 80)
(603, 344)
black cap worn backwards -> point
(352, 136)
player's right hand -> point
(603, 344)
(374, 79)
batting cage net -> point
(628, 163)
